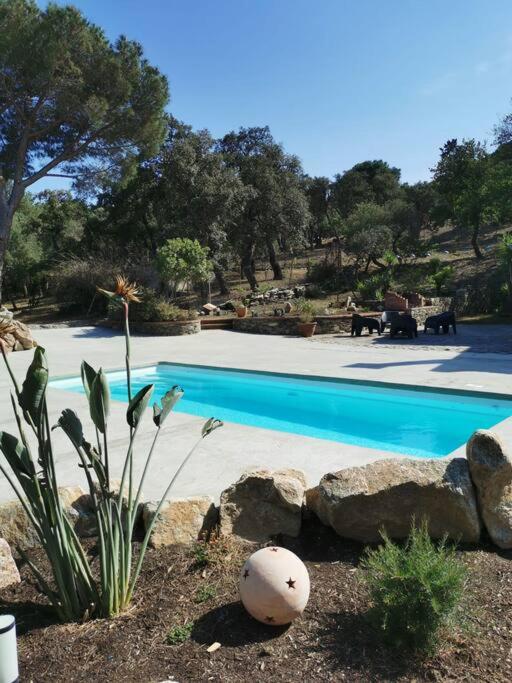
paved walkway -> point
(470, 338)
(234, 448)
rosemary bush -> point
(415, 589)
(79, 593)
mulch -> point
(333, 641)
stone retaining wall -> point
(287, 325)
(169, 328)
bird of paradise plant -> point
(78, 592)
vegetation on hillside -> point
(146, 186)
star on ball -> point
(291, 582)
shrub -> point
(306, 310)
(415, 589)
(79, 593)
(152, 308)
(182, 260)
(374, 286)
(321, 272)
(440, 276)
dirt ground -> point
(197, 590)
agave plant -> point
(78, 592)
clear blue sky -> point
(337, 81)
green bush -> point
(306, 310)
(415, 589)
(183, 261)
(374, 286)
(152, 308)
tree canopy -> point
(71, 103)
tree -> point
(185, 191)
(60, 222)
(474, 185)
(25, 259)
(369, 181)
(275, 208)
(71, 103)
(182, 260)
(318, 190)
(367, 234)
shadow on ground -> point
(232, 626)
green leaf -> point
(88, 374)
(31, 398)
(167, 403)
(138, 405)
(211, 425)
(70, 423)
(16, 455)
(99, 401)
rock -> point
(14, 335)
(388, 494)
(491, 470)
(9, 573)
(15, 526)
(17, 530)
(262, 504)
(288, 308)
(180, 521)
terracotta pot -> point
(242, 311)
(306, 329)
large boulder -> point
(262, 504)
(359, 502)
(9, 573)
(17, 530)
(491, 470)
(180, 521)
(14, 335)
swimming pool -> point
(419, 422)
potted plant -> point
(241, 308)
(307, 322)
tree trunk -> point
(272, 257)
(474, 240)
(221, 281)
(247, 266)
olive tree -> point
(71, 103)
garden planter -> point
(306, 329)
(242, 311)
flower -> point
(124, 292)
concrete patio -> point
(430, 361)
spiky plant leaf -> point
(88, 374)
(32, 393)
(99, 401)
(70, 424)
(138, 405)
(167, 403)
(211, 425)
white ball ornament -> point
(274, 586)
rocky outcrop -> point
(9, 573)
(262, 504)
(181, 521)
(359, 502)
(14, 335)
(491, 470)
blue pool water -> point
(414, 422)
